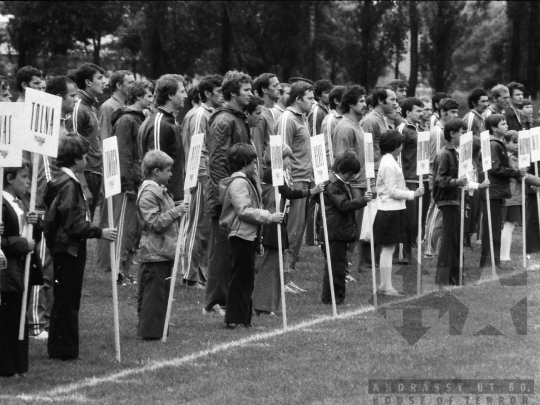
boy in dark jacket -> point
(15, 246)
(499, 176)
(340, 221)
(67, 226)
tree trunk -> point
(534, 48)
(398, 60)
(312, 48)
(226, 40)
(97, 48)
(365, 35)
(515, 52)
(413, 78)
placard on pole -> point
(465, 167)
(535, 157)
(524, 161)
(422, 168)
(370, 174)
(486, 165)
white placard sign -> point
(486, 150)
(465, 154)
(369, 156)
(276, 154)
(11, 120)
(41, 123)
(111, 167)
(194, 159)
(535, 144)
(524, 148)
(422, 155)
(318, 158)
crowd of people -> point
(231, 215)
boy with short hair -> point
(159, 218)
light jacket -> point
(242, 212)
(391, 189)
(159, 219)
(500, 173)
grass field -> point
(318, 360)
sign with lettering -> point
(370, 157)
(111, 167)
(486, 150)
(535, 144)
(465, 154)
(276, 154)
(524, 148)
(318, 157)
(41, 123)
(11, 128)
(422, 155)
(194, 158)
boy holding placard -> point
(499, 176)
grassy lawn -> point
(319, 361)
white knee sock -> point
(506, 240)
(385, 266)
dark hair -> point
(166, 86)
(4, 84)
(390, 141)
(336, 92)
(208, 83)
(25, 74)
(283, 86)
(15, 170)
(320, 87)
(58, 85)
(511, 134)
(232, 82)
(262, 82)
(448, 104)
(379, 95)
(397, 84)
(299, 90)
(493, 122)
(71, 75)
(409, 103)
(513, 86)
(455, 124)
(346, 162)
(71, 147)
(239, 156)
(118, 77)
(369, 101)
(193, 95)
(136, 90)
(155, 159)
(351, 97)
(438, 97)
(86, 72)
(474, 97)
(254, 102)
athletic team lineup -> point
(374, 205)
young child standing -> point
(159, 218)
(67, 226)
(266, 295)
(241, 218)
(15, 245)
(446, 195)
(340, 210)
(389, 226)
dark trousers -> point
(496, 226)
(532, 229)
(153, 298)
(13, 352)
(338, 259)
(219, 267)
(448, 261)
(239, 304)
(94, 182)
(411, 224)
(68, 280)
(426, 201)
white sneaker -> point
(291, 290)
(219, 310)
(349, 278)
(42, 336)
(292, 285)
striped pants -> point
(41, 296)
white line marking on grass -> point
(179, 361)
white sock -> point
(385, 266)
(506, 240)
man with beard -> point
(478, 103)
(513, 118)
(227, 127)
(283, 100)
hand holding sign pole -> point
(40, 133)
(370, 174)
(192, 172)
(112, 185)
(320, 170)
(486, 165)
(276, 151)
(524, 160)
(465, 167)
(422, 168)
(535, 157)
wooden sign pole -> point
(461, 235)
(328, 258)
(114, 277)
(490, 230)
(419, 243)
(524, 224)
(372, 246)
(281, 271)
